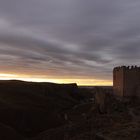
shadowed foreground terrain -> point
(47, 111)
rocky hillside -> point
(47, 111)
(30, 108)
(121, 121)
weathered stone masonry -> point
(126, 81)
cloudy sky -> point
(68, 40)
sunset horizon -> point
(69, 69)
(67, 41)
(79, 82)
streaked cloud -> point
(68, 39)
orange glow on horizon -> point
(80, 82)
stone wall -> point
(126, 81)
(131, 81)
(118, 81)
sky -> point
(68, 41)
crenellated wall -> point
(126, 80)
(118, 80)
(131, 81)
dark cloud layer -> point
(69, 38)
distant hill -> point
(30, 107)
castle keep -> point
(126, 81)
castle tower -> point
(126, 81)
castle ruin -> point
(126, 81)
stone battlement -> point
(126, 68)
(126, 80)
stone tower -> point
(126, 81)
